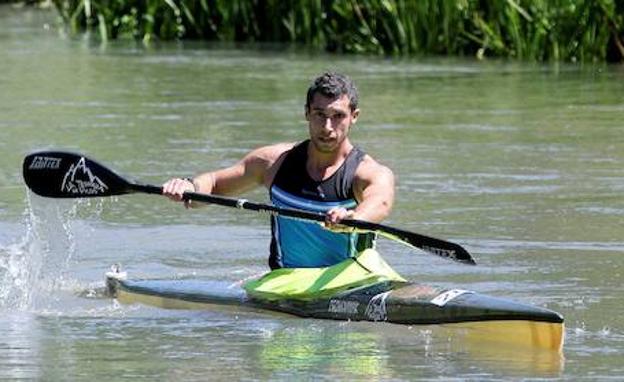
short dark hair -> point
(333, 85)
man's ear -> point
(354, 115)
(306, 112)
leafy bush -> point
(571, 30)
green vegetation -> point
(569, 30)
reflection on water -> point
(363, 349)
(147, 344)
(19, 345)
(348, 355)
(496, 355)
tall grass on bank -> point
(570, 30)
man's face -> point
(329, 120)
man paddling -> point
(325, 173)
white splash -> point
(35, 266)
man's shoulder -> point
(369, 167)
(271, 152)
(264, 159)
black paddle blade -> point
(428, 244)
(58, 174)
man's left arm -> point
(374, 190)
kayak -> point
(363, 288)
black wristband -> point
(192, 182)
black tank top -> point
(295, 243)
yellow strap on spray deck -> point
(367, 268)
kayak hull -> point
(477, 315)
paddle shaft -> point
(247, 205)
(429, 244)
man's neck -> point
(321, 165)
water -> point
(520, 163)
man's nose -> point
(328, 123)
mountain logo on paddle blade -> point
(79, 180)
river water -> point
(520, 163)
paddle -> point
(58, 174)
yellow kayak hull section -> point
(520, 333)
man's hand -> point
(175, 188)
(334, 216)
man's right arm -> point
(248, 173)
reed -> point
(569, 30)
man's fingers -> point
(175, 188)
(334, 216)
